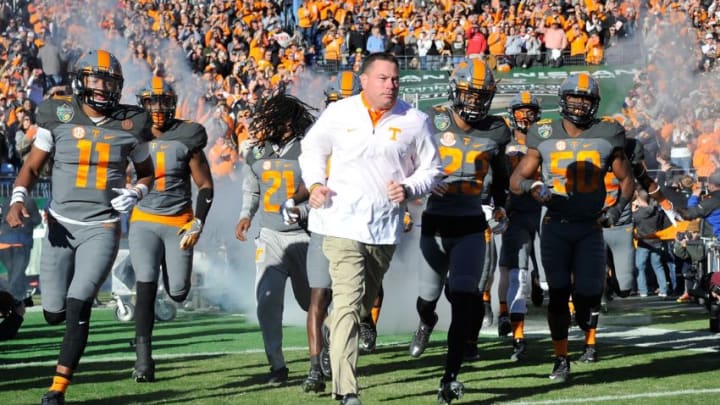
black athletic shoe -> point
(368, 337)
(144, 370)
(504, 325)
(561, 369)
(53, 398)
(325, 353)
(519, 350)
(315, 381)
(421, 337)
(589, 355)
(448, 391)
(350, 399)
(278, 377)
(488, 318)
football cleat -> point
(53, 398)
(448, 391)
(325, 353)
(421, 337)
(519, 350)
(350, 399)
(144, 370)
(504, 325)
(278, 377)
(589, 354)
(488, 317)
(561, 369)
(368, 337)
(315, 381)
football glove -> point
(190, 233)
(498, 221)
(407, 222)
(126, 199)
(289, 212)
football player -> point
(518, 239)
(164, 228)
(270, 178)
(471, 142)
(91, 137)
(574, 153)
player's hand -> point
(190, 233)
(407, 222)
(396, 192)
(290, 213)
(126, 199)
(540, 192)
(440, 189)
(499, 221)
(319, 196)
(16, 213)
(241, 229)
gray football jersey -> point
(279, 179)
(575, 168)
(90, 160)
(467, 159)
(171, 153)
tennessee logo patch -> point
(64, 113)
(442, 121)
(545, 131)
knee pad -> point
(54, 318)
(558, 302)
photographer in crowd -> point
(690, 253)
(707, 208)
(12, 312)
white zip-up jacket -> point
(365, 159)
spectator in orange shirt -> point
(222, 157)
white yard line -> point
(605, 398)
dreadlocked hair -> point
(281, 113)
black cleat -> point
(368, 337)
(504, 325)
(277, 377)
(53, 398)
(488, 317)
(519, 350)
(589, 355)
(350, 399)
(315, 381)
(448, 391)
(561, 369)
(144, 370)
(470, 352)
(144, 373)
(325, 353)
(421, 337)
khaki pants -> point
(356, 270)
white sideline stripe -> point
(620, 397)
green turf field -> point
(652, 352)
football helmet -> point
(579, 85)
(524, 110)
(98, 64)
(472, 88)
(160, 100)
(345, 84)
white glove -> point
(543, 192)
(190, 233)
(289, 213)
(498, 221)
(126, 199)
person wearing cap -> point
(708, 207)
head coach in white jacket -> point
(382, 155)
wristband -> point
(19, 194)
(657, 188)
(141, 190)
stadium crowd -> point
(225, 56)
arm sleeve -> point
(501, 179)
(251, 193)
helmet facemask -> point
(100, 90)
(161, 108)
(523, 117)
(470, 104)
(580, 111)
